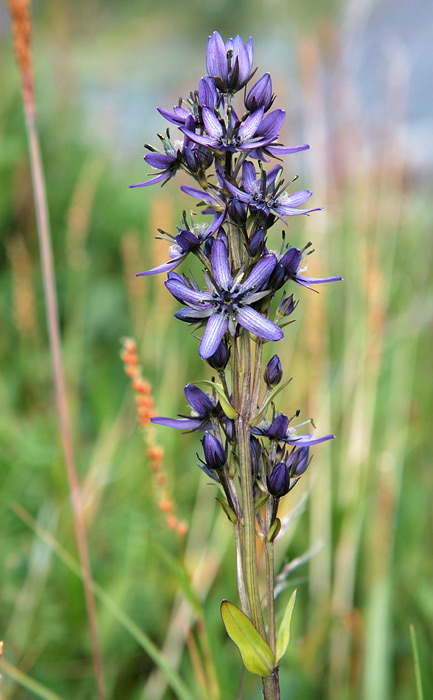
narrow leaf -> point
(419, 690)
(225, 403)
(283, 637)
(260, 502)
(257, 656)
(25, 681)
(274, 530)
(227, 510)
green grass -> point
(360, 355)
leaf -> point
(227, 510)
(419, 690)
(260, 502)
(257, 656)
(283, 637)
(261, 414)
(225, 403)
(274, 530)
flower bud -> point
(214, 453)
(277, 278)
(273, 372)
(230, 430)
(220, 357)
(279, 480)
(298, 461)
(256, 243)
(287, 305)
(260, 94)
(256, 453)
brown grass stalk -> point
(21, 26)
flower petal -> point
(213, 334)
(249, 127)
(259, 325)
(211, 123)
(306, 281)
(236, 192)
(162, 161)
(307, 440)
(198, 194)
(220, 265)
(216, 57)
(284, 150)
(260, 272)
(184, 294)
(272, 123)
(193, 315)
(198, 400)
(178, 423)
(248, 176)
(165, 267)
(153, 180)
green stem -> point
(269, 550)
(240, 570)
(243, 377)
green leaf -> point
(419, 690)
(225, 403)
(274, 530)
(261, 414)
(260, 502)
(227, 510)
(257, 656)
(283, 637)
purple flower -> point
(187, 241)
(203, 408)
(168, 162)
(227, 302)
(298, 461)
(229, 64)
(291, 263)
(260, 94)
(253, 133)
(181, 154)
(279, 430)
(214, 452)
(267, 193)
(205, 96)
(279, 480)
(273, 373)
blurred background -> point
(356, 79)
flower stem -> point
(43, 228)
(243, 377)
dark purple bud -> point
(277, 278)
(298, 461)
(257, 243)
(256, 453)
(279, 480)
(220, 357)
(286, 306)
(230, 429)
(278, 428)
(291, 261)
(260, 94)
(273, 372)
(214, 453)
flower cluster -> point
(224, 150)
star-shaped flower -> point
(227, 303)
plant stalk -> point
(43, 228)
